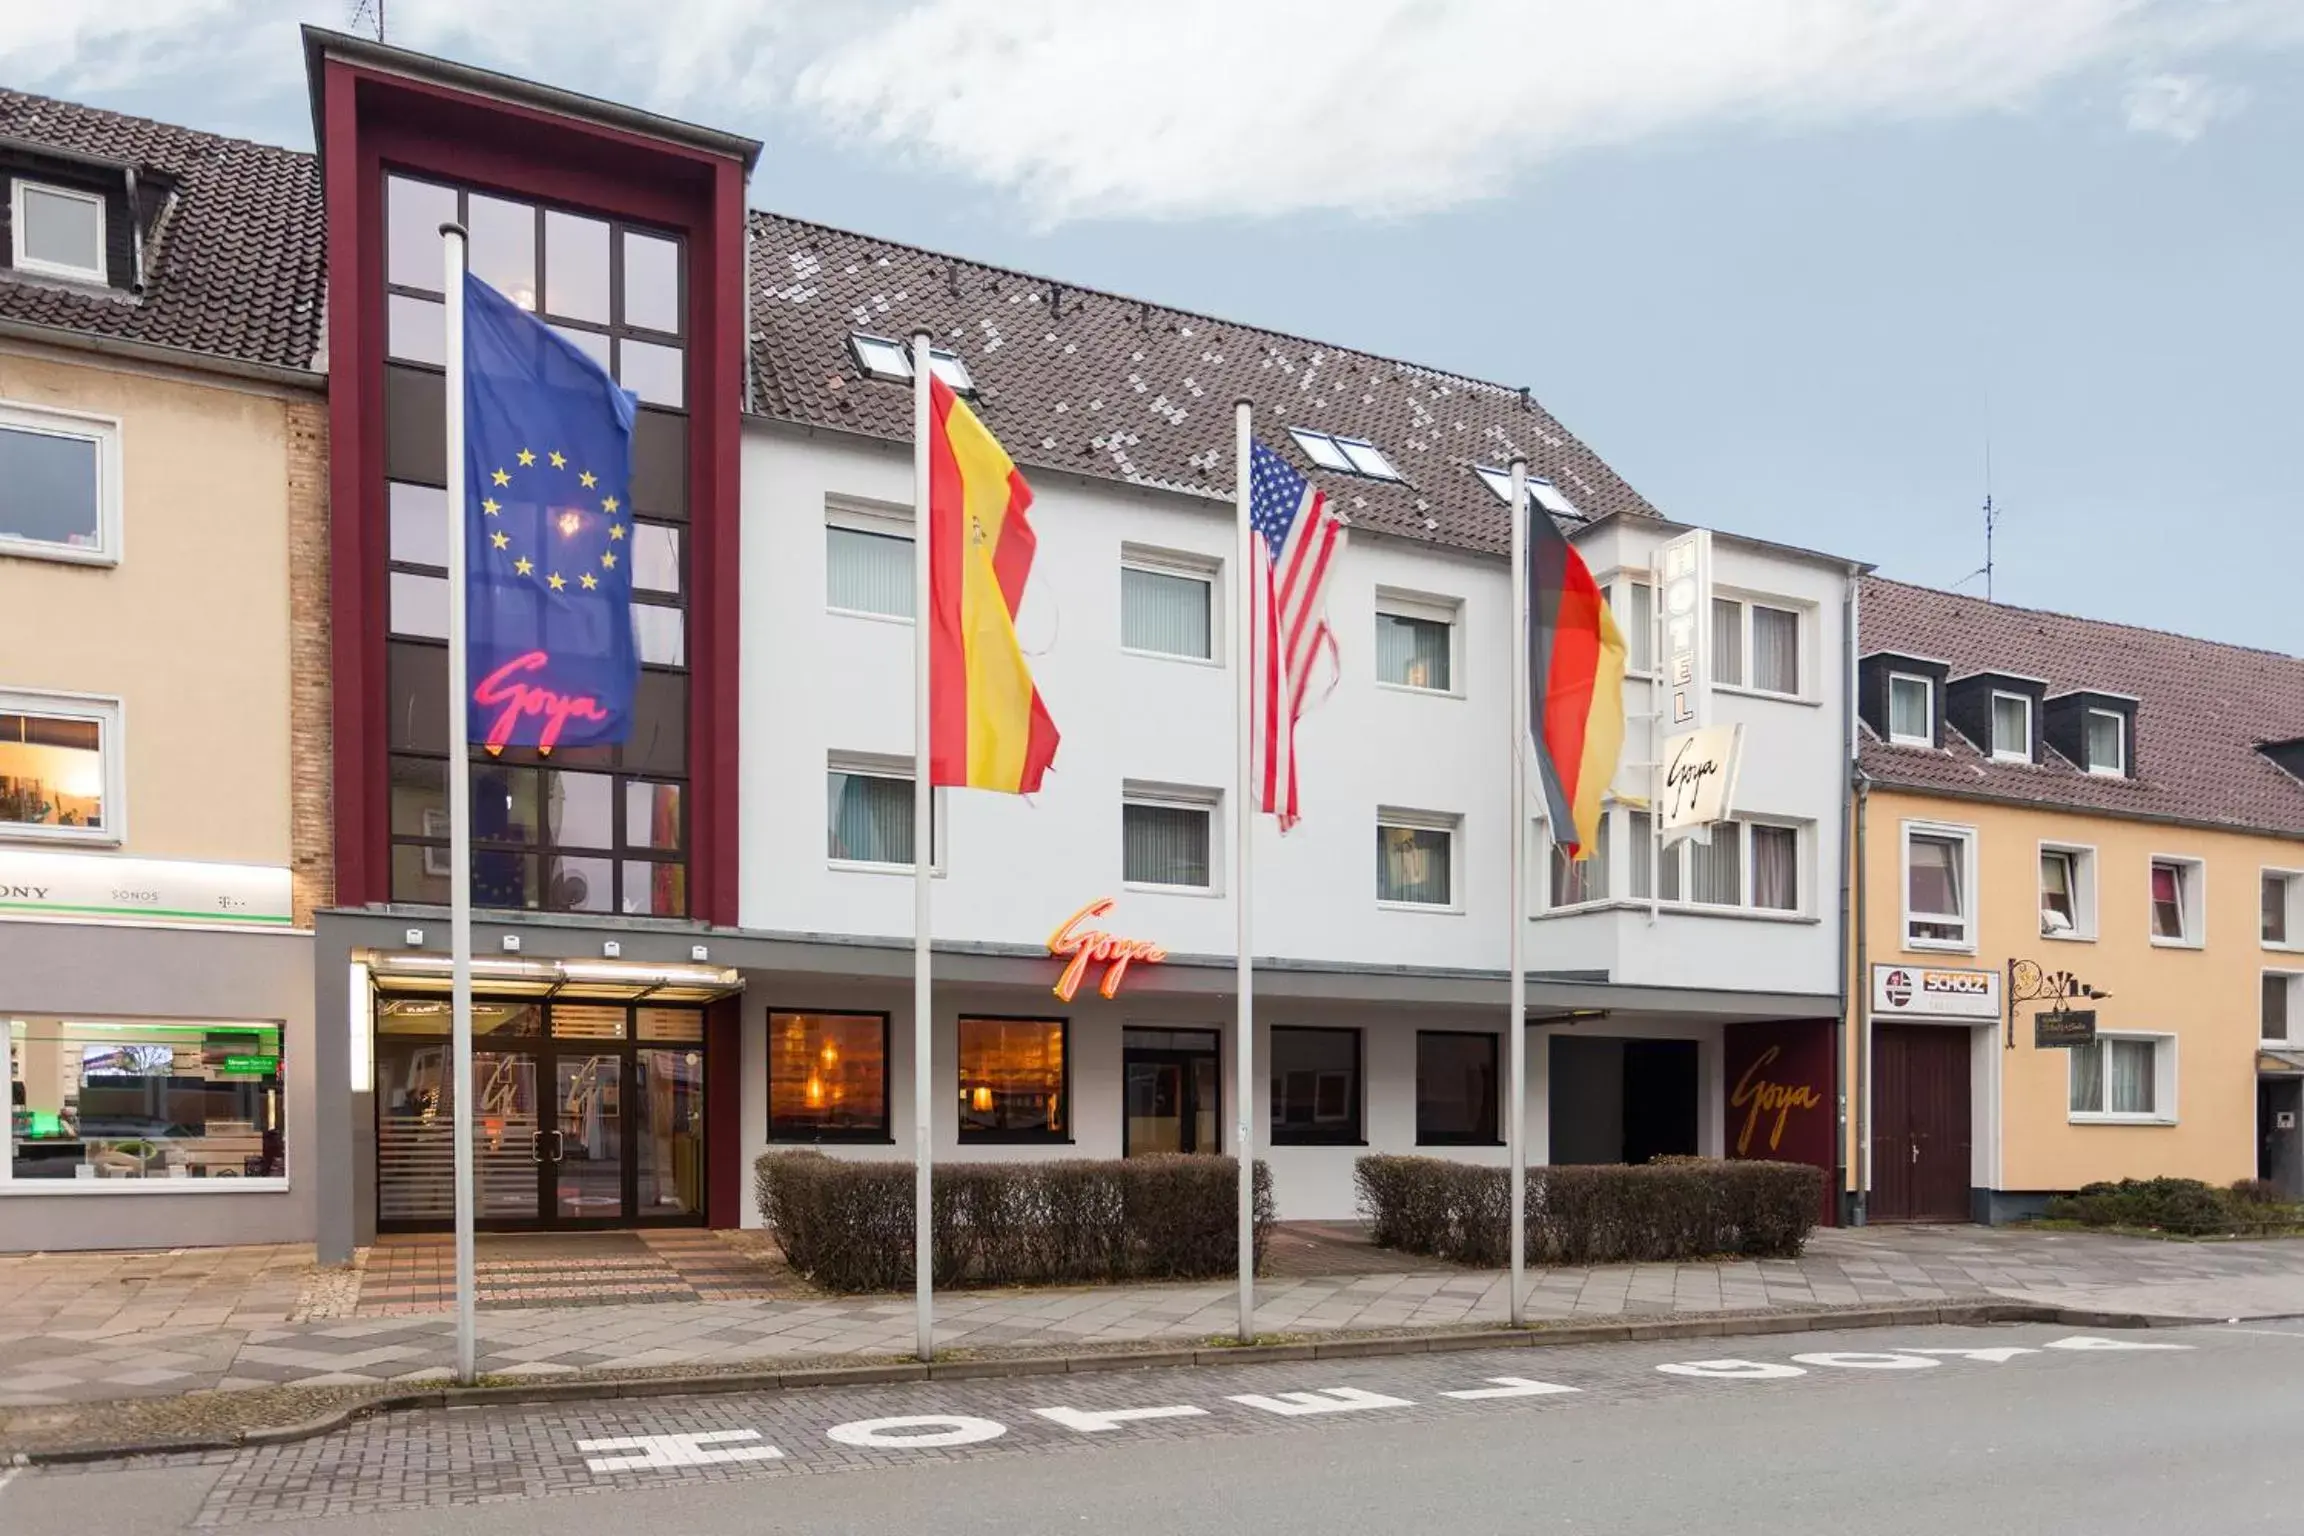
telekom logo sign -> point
(504, 688)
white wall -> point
(816, 682)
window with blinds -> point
(868, 815)
(1167, 611)
(867, 571)
(1415, 643)
(1166, 842)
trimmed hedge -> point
(848, 1225)
(2186, 1207)
(1661, 1212)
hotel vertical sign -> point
(1684, 598)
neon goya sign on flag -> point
(548, 585)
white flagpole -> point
(1244, 814)
(1516, 986)
(923, 856)
(459, 809)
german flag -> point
(1575, 685)
(987, 728)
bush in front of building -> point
(848, 1225)
(1667, 1211)
(2185, 1207)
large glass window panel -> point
(654, 372)
(2130, 1067)
(1315, 1087)
(2087, 1078)
(2275, 924)
(1935, 895)
(655, 889)
(416, 697)
(419, 524)
(415, 330)
(651, 282)
(1715, 871)
(1165, 845)
(503, 803)
(501, 877)
(419, 605)
(1012, 1080)
(1412, 652)
(2277, 989)
(413, 214)
(668, 1132)
(1640, 626)
(1575, 881)
(661, 634)
(1911, 710)
(827, 1077)
(2107, 742)
(580, 884)
(651, 815)
(581, 810)
(94, 1099)
(868, 572)
(575, 267)
(656, 558)
(592, 344)
(1727, 642)
(1165, 613)
(659, 743)
(2011, 725)
(868, 818)
(51, 488)
(52, 771)
(1412, 865)
(503, 246)
(1638, 832)
(1455, 1088)
(63, 229)
(419, 793)
(1776, 868)
(1775, 649)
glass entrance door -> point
(1171, 1083)
(584, 1157)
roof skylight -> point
(1540, 490)
(883, 358)
(1345, 455)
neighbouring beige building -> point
(163, 696)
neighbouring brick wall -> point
(311, 742)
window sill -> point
(1939, 946)
(2109, 1119)
(1429, 908)
(1736, 691)
(858, 1139)
(1212, 663)
(1422, 693)
(1314, 1143)
(861, 867)
(1147, 888)
(113, 1187)
(1679, 909)
(2276, 1045)
(1454, 1142)
(62, 554)
(2160, 943)
(904, 619)
(1012, 1139)
(2070, 938)
(57, 837)
(2282, 949)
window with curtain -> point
(827, 1076)
(2107, 742)
(1165, 612)
(1315, 1087)
(1911, 710)
(2114, 1075)
(1412, 864)
(868, 817)
(1575, 882)
(1776, 868)
(1640, 626)
(1935, 897)
(1716, 872)
(2278, 893)
(1164, 844)
(1456, 1088)
(1013, 1084)
(1728, 642)
(1412, 651)
(2279, 1001)
(868, 572)
(2012, 726)
(2169, 880)
(1775, 649)
(2059, 892)
(1637, 833)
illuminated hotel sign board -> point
(1082, 946)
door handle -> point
(536, 1146)
(1915, 1151)
(559, 1146)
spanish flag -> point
(1575, 684)
(987, 728)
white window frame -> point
(1397, 603)
(104, 432)
(1928, 690)
(2163, 1083)
(880, 765)
(2191, 900)
(1801, 647)
(110, 716)
(1992, 726)
(1617, 590)
(1541, 491)
(1971, 920)
(858, 516)
(1335, 453)
(1176, 797)
(2120, 769)
(1428, 821)
(1192, 567)
(1675, 859)
(19, 228)
(2082, 857)
(2294, 981)
(2293, 890)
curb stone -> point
(719, 1383)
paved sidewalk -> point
(237, 1319)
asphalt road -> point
(1939, 1431)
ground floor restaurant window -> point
(827, 1077)
(1316, 1087)
(1013, 1080)
(1455, 1088)
(94, 1099)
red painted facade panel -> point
(1782, 1098)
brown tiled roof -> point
(1097, 384)
(233, 266)
(2204, 707)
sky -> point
(1816, 271)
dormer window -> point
(59, 231)
(883, 358)
(1540, 490)
(2108, 743)
(1344, 455)
(2012, 727)
(1911, 710)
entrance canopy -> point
(605, 981)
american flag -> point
(1296, 546)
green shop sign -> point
(252, 1066)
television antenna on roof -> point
(364, 9)
(1992, 516)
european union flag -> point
(548, 573)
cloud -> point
(1177, 109)
(2180, 107)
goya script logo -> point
(1086, 946)
(518, 700)
(1756, 1095)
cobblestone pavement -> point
(436, 1460)
(223, 1320)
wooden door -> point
(1921, 1134)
